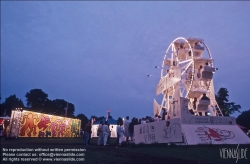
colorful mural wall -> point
(35, 124)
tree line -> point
(38, 101)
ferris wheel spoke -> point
(183, 86)
(186, 67)
(185, 61)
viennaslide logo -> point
(238, 153)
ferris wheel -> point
(188, 66)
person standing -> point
(90, 133)
(156, 118)
(121, 133)
(100, 134)
(143, 120)
(87, 132)
(81, 133)
(164, 113)
(126, 128)
(131, 129)
(109, 134)
(117, 133)
(105, 131)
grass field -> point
(126, 154)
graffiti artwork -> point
(152, 128)
(171, 130)
(148, 131)
(28, 124)
(213, 134)
(43, 125)
(164, 131)
(149, 138)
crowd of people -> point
(124, 129)
(103, 133)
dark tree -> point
(60, 107)
(11, 103)
(244, 119)
(50, 107)
(36, 99)
(120, 121)
(94, 117)
(101, 118)
(226, 107)
(83, 118)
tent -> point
(112, 126)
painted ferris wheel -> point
(188, 67)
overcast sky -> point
(97, 55)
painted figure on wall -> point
(73, 128)
(171, 131)
(43, 123)
(29, 120)
(61, 129)
(212, 134)
(35, 124)
(54, 127)
(67, 128)
(167, 130)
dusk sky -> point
(97, 55)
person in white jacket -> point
(105, 132)
(120, 131)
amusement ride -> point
(189, 67)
